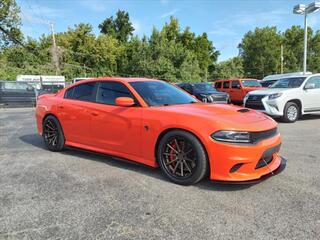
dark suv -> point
(205, 92)
(16, 94)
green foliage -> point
(121, 28)
(228, 69)
(260, 50)
(9, 22)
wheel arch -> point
(298, 102)
(160, 136)
(53, 115)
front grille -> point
(259, 136)
(255, 102)
(214, 98)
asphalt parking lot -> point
(81, 195)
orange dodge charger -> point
(157, 124)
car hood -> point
(213, 93)
(227, 116)
(268, 91)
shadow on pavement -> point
(36, 141)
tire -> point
(182, 158)
(52, 134)
(291, 112)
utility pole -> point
(54, 50)
(281, 59)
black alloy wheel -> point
(52, 134)
(182, 157)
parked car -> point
(16, 94)
(157, 124)
(288, 98)
(271, 79)
(205, 92)
(237, 88)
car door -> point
(75, 112)
(116, 128)
(311, 97)
(236, 91)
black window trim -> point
(93, 97)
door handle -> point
(60, 107)
(94, 114)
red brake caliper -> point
(173, 153)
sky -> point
(225, 21)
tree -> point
(314, 53)
(121, 28)
(230, 68)
(293, 43)
(9, 22)
(260, 50)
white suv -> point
(288, 98)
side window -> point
(188, 88)
(109, 91)
(226, 84)
(218, 85)
(315, 81)
(235, 84)
(83, 92)
(68, 94)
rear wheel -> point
(52, 134)
(182, 157)
(291, 112)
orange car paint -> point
(236, 94)
(133, 132)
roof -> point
(124, 79)
(285, 75)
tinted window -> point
(160, 93)
(250, 83)
(235, 84)
(294, 82)
(204, 88)
(83, 92)
(315, 81)
(16, 86)
(69, 93)
(109, 91)
(218, 84)
(226, 84)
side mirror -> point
(310, 86)
(124, 102)
(238, 87)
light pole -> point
(305, 10)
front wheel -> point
(182, 157)
(52, 134)
(291, 112)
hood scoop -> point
(243, 110)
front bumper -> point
(273, 107)
(281, 167)
(241, 163)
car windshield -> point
(250, 83)
(288, 82)
(157, 93)
(204, 88)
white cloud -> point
(164, 2)
(137, 26)
(167, 14)
(94, 5)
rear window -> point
(83, 92)
(226, 84)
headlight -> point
(275, 95)
(232, 136)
